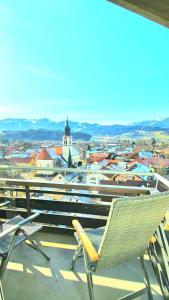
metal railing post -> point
(28, 200)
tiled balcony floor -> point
(31, 277)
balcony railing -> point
(62, 202)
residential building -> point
(47, 158)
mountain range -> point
(41, 135)
(22, 125)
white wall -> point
(75, 158)
(94, 178)
(45, 164)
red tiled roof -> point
(21, 160)
(11, 148)
(95, 159)
(35, 154)
(44, 155)
(161, 162)
(58, 150)
(154, 161)
(103, 154)
(113, 161)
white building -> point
(95, 178)
(47, 158)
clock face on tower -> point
(67, 140)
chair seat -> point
(94, 234)
(29, 229)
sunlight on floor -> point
(80, 276)
(58, 245)
(20, 268)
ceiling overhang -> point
(155, 10)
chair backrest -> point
(131, 223)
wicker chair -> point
(1, 292)
(131, 224)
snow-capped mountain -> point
(88, 128)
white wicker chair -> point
(1, 292)
(131, 224)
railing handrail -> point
(162, 179)
(75, 170)
(73, 186)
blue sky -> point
(91, 60)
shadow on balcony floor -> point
(30, 276)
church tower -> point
(67, 141)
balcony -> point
(30, 276)
(54, 280)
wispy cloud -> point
(61, 102)
(8, 109)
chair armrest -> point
(18, 224)
(4, 203)
(153, 240)
(91, 251)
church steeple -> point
(67, 128)
(69, 153)
(67, 140)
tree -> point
(79, 163)
(153, 144)
(89, 147)
(3, 152)
(133, 144)
(69, 160)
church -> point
(59, 156)
(69, 152)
